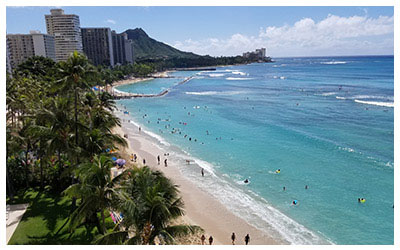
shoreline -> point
(201, 208)
(132, 79)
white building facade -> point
(66, 31)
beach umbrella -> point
(120, 162)
(114, 158)
(95, 88)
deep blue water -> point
(324, 122)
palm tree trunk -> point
(41, 175)
(76, 138)
(10, 186)
(103, 221)
(26, 167)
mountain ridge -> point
(146, 47)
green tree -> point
(150, 204)
(96, 189)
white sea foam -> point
(328, 93)
(216, 75)
(216, 93)
(146, 131)
(350, 150)
(238, 78)
(334, 62)
(340, 98)
(239, 73)
(379, 97)
(282, 77)
(382, 104)
(119, 91)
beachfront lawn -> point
(44, 218)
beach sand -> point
(201, 208)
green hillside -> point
(146, 47)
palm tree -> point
(77, 75)
(149, 205)
(97, 190)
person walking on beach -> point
(131, 157)
(165, 163)
(247, 239)
(203, 238)
(158, 159)
(233, 237)
(140, 129)
(144, 161)
(210, 240)
(202, 172)
(134, 157)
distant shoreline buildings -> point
(260, 54)
(101, 45)
(64, 36)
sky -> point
(227, 31)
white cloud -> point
(111, 21)
(334, 35)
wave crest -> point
(382, 104)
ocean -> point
(326, 122)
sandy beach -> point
(131, 80)
(201, 208)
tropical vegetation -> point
(59, 136)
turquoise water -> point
(324, 122)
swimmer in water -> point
(278, 171)
(246, 181)
(294, 202)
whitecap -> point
(237, 78)
(216, 93)
(334, 62)
(328, 93)
(382, 104)
(239, 73)
(282, 77)
(159, 138)
(372, 97)
(340, 98)
(216, 75)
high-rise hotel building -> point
(9, 69)
(123, 48)
(22, 46)
(66, 31)
(97, 45)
